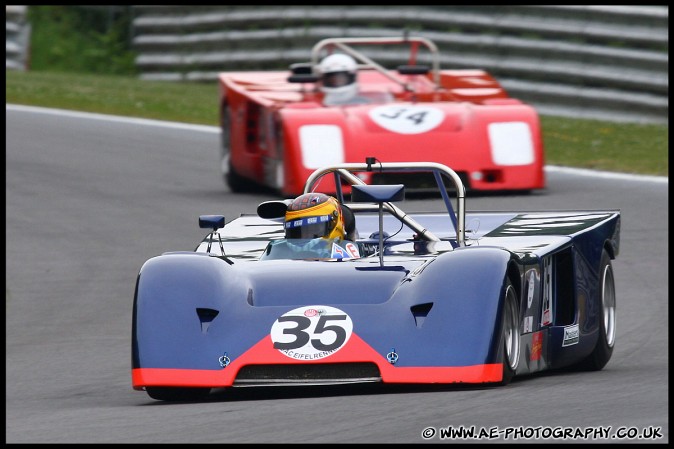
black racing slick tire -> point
(603, 350)
(510, 333)
(235, 182)
(225, 142)
(174, 394)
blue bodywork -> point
(433, 302)
(461, 288)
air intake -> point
(420, 312)
(205, 317)
(307, 374)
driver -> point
(314, 228)
(338, 74)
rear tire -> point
(607, 324)
(175, 394)
(510, 333)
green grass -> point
(619, 147)
(118, 95)
(610, 146)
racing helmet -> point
(314, 215)
(338, 77)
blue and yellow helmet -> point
(314, 215)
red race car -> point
(342, 106)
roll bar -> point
(345, 172)
(345, 44)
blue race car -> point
(404, 298)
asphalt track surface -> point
(90, 198)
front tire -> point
(174, 394)
(235, 182)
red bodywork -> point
(356, 350)
(280, 132)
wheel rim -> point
(225, 142)
(608, 305)
(224, 164)
(511, 331)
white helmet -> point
(338, 78)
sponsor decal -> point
(311, 332)
(407, 119)
(528, 324)
(571, 335)
(546, 317)
(352, 250)
(338, 252)
(530, 293)
(307, 221)
(536, 346)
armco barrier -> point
(17, 40)
(608, 62)
(604, 62)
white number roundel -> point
(311, 332)
(407, 119)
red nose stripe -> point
(355, 350)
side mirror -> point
(214, 222)
(211, 221)
(301, 68)
(413, 69)
(303, 78)
(302, 72)
(273, 209)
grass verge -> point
(619, 147)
